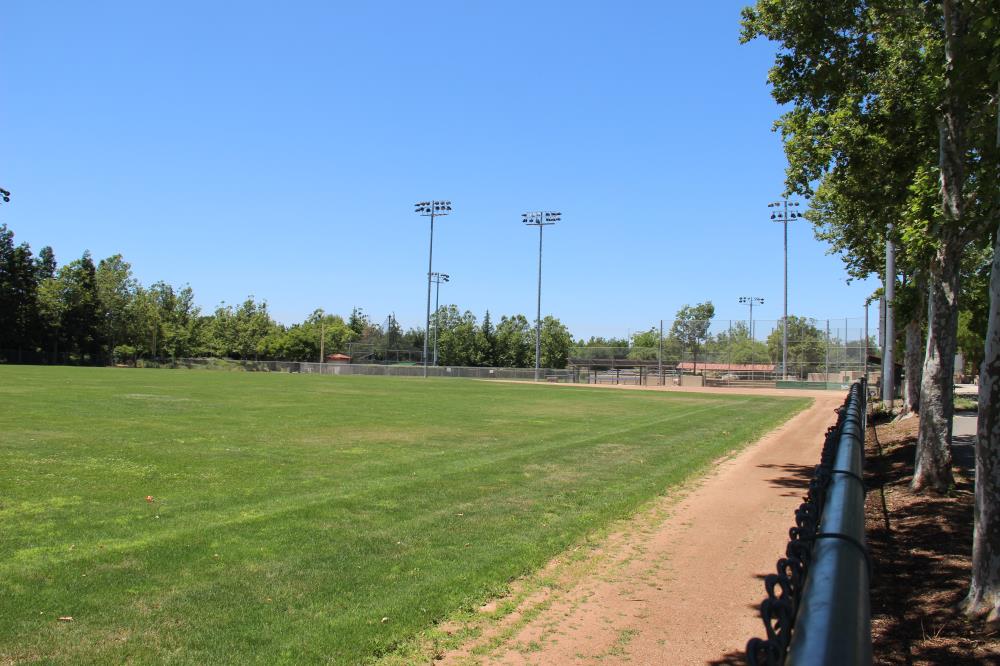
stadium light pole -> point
(751, 301)
(430, 209)
(539, 219)
(783, 216)
(438, 279)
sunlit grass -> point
(307, 518)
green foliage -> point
(515, 342)
(86, 313)
(302, 342)
(556, 343)
(691, 325)
(807, 345)
(457, 336)
(116, 288)
(81, 317)
(736, 346)
(600, 347)
(487, 349)
(645, 345)
(241, 332)
(358, 322)
(18, 293)
(862, 80)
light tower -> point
(437, 278)
(783, 216)
(431, 209)
(539, 219)
(751, 301)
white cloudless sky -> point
(276, 149)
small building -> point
(729, 370)
(338, 358)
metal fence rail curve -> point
(818, 609)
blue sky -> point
(276, 149)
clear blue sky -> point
(276, 149)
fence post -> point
(659, 354)
(826, 373)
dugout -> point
(644, 372)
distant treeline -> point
(87, 312)
(82, 312)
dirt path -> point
(679, 584)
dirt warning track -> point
(680, 583)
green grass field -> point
(309, 518)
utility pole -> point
(438, 278)
(539, 219)
(751, 301)
(659, 355)
(867, 303)
(826, 373)
(322, 341)
(888, 345)
(784, 217)
(430, 209)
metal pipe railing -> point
(818, 608)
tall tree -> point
(645, 345)
(984, 590)
(252, 325)
(81, 308)
(116, 287)
(953, 231)
(691, 325)
(358, 322)
(855, 71)
(456, 336)
(45, 264)
(736, 345)
(806, 345)
(556, 343)
(24, 290)
(18, 296)
(486, 343)
(515, 342)
(178, 317)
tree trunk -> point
(912, 363)
(932, 468)
(984, 592)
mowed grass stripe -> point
(295, 512)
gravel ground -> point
(681, 584)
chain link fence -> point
(732, 352)
(519, 374)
